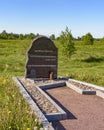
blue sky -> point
(48, 17)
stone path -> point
(85, 112)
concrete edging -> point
(43, 120)
(53, 85)
(53, 116)
(100, 94)
(85, 92)
(97, 92)
(88, 84)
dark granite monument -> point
(42, 59)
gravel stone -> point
(43, 103)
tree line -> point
(5, 35)
(13, 36)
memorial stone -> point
(42, 59)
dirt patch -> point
(85, 112)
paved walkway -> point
(85, 112)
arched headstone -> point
(42, 58)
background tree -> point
(11, 36)
(27, 36)
(102, 40)
(32, 36)
(21, 36)
(52, 37)
(66, 40)
(4, 35)
(88, 39)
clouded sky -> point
(48, 17)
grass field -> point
(87, 64)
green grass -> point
(13, 56)
(86, 65)
(15, 113)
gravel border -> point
(43, 120)
(85, 88)
(48, 107)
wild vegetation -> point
(15, 113)
(87, 64)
